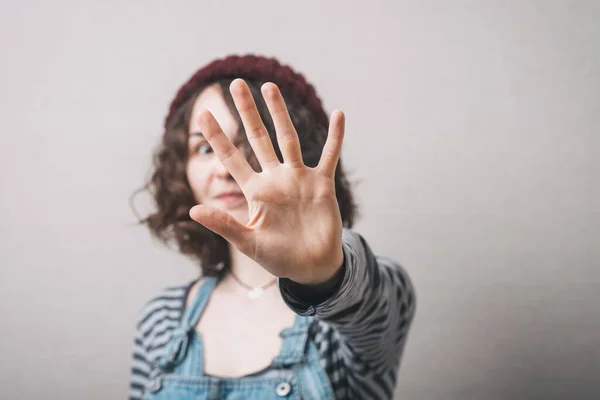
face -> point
(210, 181)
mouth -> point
(231, 199)
(230, 195)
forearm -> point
(372, 305)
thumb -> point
(221, 223)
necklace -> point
(253, 292)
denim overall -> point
(295, 373)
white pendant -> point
(256, 293)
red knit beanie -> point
(291, 83)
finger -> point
(257, 133)
(333, 145)
(232, 159)
(222, 223)
(287, 137)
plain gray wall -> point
(472, 127)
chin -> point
(237, 211)
(240, 214)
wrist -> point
(322, 275)
(316, 293)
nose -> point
(220, 170)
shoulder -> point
(163, 310)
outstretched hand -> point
(295, 227)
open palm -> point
(295, 226)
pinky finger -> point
(333, 145)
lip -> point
(231, 199)
(229, 194)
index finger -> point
(226, 152)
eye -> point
(203, 148)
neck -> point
(247, 270)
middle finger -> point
(287, 137)
(257, 133)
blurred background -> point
(472, 136)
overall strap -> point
(177, 346)
(194, 311)
(294, 342)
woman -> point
(290, 303)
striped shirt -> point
(360, 331)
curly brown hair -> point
(173, 196)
